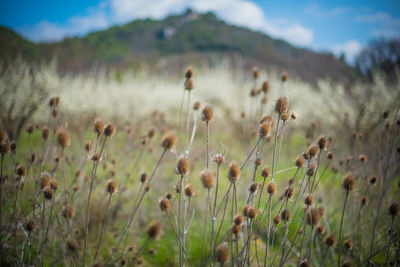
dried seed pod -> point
(189, 190)
(143, 177)
(285, 215)
(154, 231)
(299, 162)
(394, 209)
(252, 213)
(284, 76)
(63, 138)
(277, 220)
(312, 216)
(281, 105)
(234, 172)
(30, 226)
(373, 180)
(54, 185)
(219, 159)
(44, 181)
(207, 179)
(264, 129)
(182, 166)
(265, 172)
(304, 263)
(207, 113)
(164, 204)
(253, 187)
(271, 188)
(68, 212)
(313, 151)
(48, 193)
(348, 183)
(238, 219)
(111, 187)
(21, 171)
(169, 141)
(320, 229)
(98, 127)
(222, 253)
(348, 244)
(109, 130)
(196, 105)
(189, 73)
(330, 240)
(331, 155)
(308, 200)
(236, 229)
(265, 87)
(45, 134)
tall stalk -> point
(213, 218)
(340, 229)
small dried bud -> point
(285, 116)
(299, 162)
(394, 209)
(111, 187)
(143, 177)
(236, 229)
(72, 245)
(13, 147)
(96, 157)
(293, 115)
(164, 204)
(322, 143)
(284, 76)
(252, 213)
(264, 129)
(222, 253)
(313, 150)
(265, 172)
(207, 113)
(207, 179)
(88, 146)
(30, 226)
(44, 181)
(151, 133)
(189, 190)
(258, 162)
(109, 131)
(363, 158)
(68, 212)
(253, 188)
(348, 244)
(54, 185)
(182, 166)
(219, 159)
(304, 263)
(348, 183)
(271, 188)
(312, 216)
(320, 229)
(21, 171)
(386, 114)
(63, 138)
(147, 188)
(189, 73)
(98, 127)
(233, 172)
(169, 141)
(265, 87)
(308, 200)
(285, 215)
(154, 231)
(364, 201)
(331, 155)
(196, 105)
(48, 193)
(330, 240)
(238, 219)
(277, 220)
(189, 85)
(45, 134)
(281, 105)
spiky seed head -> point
(168, 196)
(21, 171)
(293, 115)
(322, 143)
(164, 204)
(219, 159)
(44, 181)
(313, 151)
(189, 73)
(264, 130)
(63, 138)
(285, 116)
(72, 245)
(109, 130)
(238, 219)
(236, 229)
(154, 231)
(147, 188)
(45, 134)
(54, 101)
(312, 216)
(348, 183)
(386, 114)
(98, 127)
(246, 210)
(207, 113)
(363, 158)
(189, 190)
(331, 155)
(256, 73)
(277, 220)
(234, 172)
(111, 187)
(285, 215)
(289, 192)
(284, 76)
(189, 85)
(348, 244)
(310, 172)
(122, 261)
(207, 179)
(281, 105)
(252, 213)
(347, 264)
(265, 87)
(54, 185)
(222, 253)
(330, 240)
(308, 200)
(258, 162)
(394, 209)
(196, 105)
(320, 229)
(88, 146)
(266, 118)
(253, 92)
(143, 177)
(151, 133)
(30, 226)
(373, 180)
(29, 129)
(304, 263)
(96, 157)
(182, 166)
(265, 172)
(169, 141)
(48, 193)
(253, 187)
(364, 201)
(299, 162)
(271, 188)
(13, 147)
(321, 210)
(3, 135)
(68, 212)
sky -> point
(340, 26)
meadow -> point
(216, 166)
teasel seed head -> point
(72, 245)
(238, 219)
(348, 244)
(284, 76)
(45, 134)
(164, 204)
(207, 113)
(234, 172)
(44, 181)
(252, 213)
(169, 141)
(313, 216)
(111, 187)
(320, 229)
(310, 172)
(29, 129)
(236, 229)
(363, 158)
(54, 101)
(168, 196)
(330, 240)
(21, 171)
(264, 130)
(293, 115)
(189, 73)
(253, 92)
(322, 143)
(271, 188)
(267, 118)
(189, 85)
(96, 157)
(258, 162)
(207, 179)
(308, 200)
(281, 105)
(63, 138)
(98, 127)
(182, 166)
(13, 147)
(68, 212)
(143, 177)
(265, 87)
(346, 264)
(304, 263)
(48, 193)
(147, 188)
(313, 151)
(54, 185)
(285, 116)
(218, 159)
(277, 220)
(394, 209)
(289, 192)
(321, 211)
(222, 253)
(299, 162)
(348, 183)
(30, 226)
(109, 130)
(151, 133)
(154, 231)
(285, 215)
(364, 201)
(265, 172)
(253, 187)
(189, 190)
(196, 105)
(246, 210)
(331, 155)
(386, 114)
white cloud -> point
(350, 49)
(238, 12)
(384, 24)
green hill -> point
(177, 40)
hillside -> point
(174, 42)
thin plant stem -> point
(187, 121)
(340, 229)
(389, 242)
(180, 218)
(205, 227)
(268, 230)
(213, 215)
(273, 156)
(208, 129)
(248, 157)
(279, 148)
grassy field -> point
(332, 153)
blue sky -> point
(336, 26)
